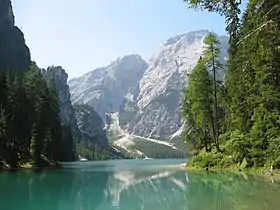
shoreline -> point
(273, 176)
(30, 168)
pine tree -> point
(212, 58)
(54, 123)
(3, 89)
(266, 62)
(3, 122)
(3, 135)
(227, 8)
(197, 107)
(36, 91)
(67, 151)
(34, 152)
(13, 119)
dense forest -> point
(30, 125)
(31, 130)
(236, 122)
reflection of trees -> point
(85, 188)
(57, 190)
(219, 191)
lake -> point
(135, 185)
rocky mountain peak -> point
(59, 73)
(147, 96)
(190, 37)
(162, 85)
(178, 55)
(67, 113)
(105, 88)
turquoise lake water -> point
(135, 185)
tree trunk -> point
(216, 127)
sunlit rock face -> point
(162, 86)
(67, 112)
(106, 88)
(147, 96)
(91, 125)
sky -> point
(83, 35)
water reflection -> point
(52, 190)
(145, 190)
(134, 186)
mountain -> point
(67, 112)
(106, 88)
(140, 147)
(146, 96)
(163, 83)
(14, 54)
(15, 57)
(86, 125)
(91, 125)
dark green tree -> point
(67, 148)
(252, 88)
(54, 143)
(198, 107)
(212, 60)
(36, 91)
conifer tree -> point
(252, 80)
(54, 123)
(197, 109)
(212, 60)
(36, 89)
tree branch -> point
(259, 28)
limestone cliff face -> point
(67, 112)
(85, 123)
(106, 88)
(162, 86)
(91, 125)
(14, 54)
(147, 96)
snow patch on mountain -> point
(146, 96)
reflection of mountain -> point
(145, 190)
(135, 185)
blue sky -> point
(83, 36)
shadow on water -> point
(51, 190)
(133, 185)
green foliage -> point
(228, 8)
(206, 159)
(201, 109)
(30, 127)
(155, 150)
(197, 107)
(91, 151)
(251, 95)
